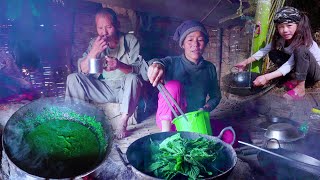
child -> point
(292, 48)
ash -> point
(114, 168)
(111, 169)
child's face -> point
(287, 30)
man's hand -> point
(98, 46)
(155, 74)
(112, 63)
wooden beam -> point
(180, 9)
(230, 1)
(104, 5)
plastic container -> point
(198, 121)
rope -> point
(205, 17)
(240, 9)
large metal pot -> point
(283, 135)
(138, 153)
(30, 163)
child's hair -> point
(302, 36)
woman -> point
(292, 48)
(188, 77)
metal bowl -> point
(283, 132)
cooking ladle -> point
(264, 150)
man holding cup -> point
(108, 70)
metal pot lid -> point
(270, 120)
(284, 132)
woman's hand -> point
(261, 80)
(264, 79)
(242, 65)
(155, 73)
(206, 107)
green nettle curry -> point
(64, 141)
(58, 142)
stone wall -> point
(155, 36)
(154, 33)
(236, 47)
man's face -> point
(105, 27)
(194, 45)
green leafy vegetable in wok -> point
(178, 156)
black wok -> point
(138, 153)
(39, 112)
(241, 83)
(303, 165)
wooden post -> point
(261, 30)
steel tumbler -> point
(95, 66)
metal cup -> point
(95, 66)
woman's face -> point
(287, 30)
(194, 45)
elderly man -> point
(119, 81)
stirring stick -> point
(264, 150)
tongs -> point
(165, 93)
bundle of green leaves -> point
(177, 156)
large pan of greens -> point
(180, 155)
(53, 139)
